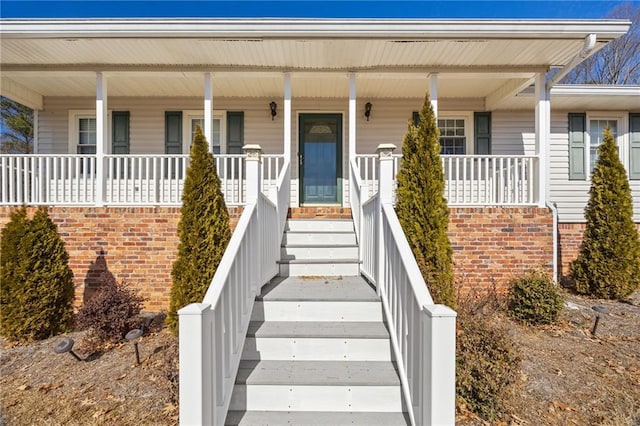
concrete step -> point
(319, 267)
(308, 341)
(317, 237)
(325, 225)
(335, 386)
(318, 251)
(315, 418)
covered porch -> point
(115, 115)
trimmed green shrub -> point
(487, 361)
(37, 283)
(422, 208)
(204, 231)
(608, 264)
(535, 299)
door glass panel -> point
(320, 147)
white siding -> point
(571, 196)
(147, 121)
(513, 133)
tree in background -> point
(608, 264)
(422, 208)
(17, 128)
(619, 61)
(37, 282)
(203, 230)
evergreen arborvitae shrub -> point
(110, 313)
(203, 230)
(422, 208)
(608, 264)
(37, 298)
(11, 274)
(535, 299)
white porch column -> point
(543, 135)
(433, 93)
(287, 117)
(102, 128)
(254, 179)
(352, 116)
(208, 109)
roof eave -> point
(313, 28)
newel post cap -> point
(252, 151)
(385, 150)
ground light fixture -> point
(600, 310)
(66, 345)
(133, 336)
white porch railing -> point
(422, 334)
(212, 333)
(128, 179)
(473, 179)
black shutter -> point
(173, 132)
(120, 132)
(577, 146)
(482, 133)
(235, 132)
(634, 146)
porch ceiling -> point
(475, 59)
(266, 84)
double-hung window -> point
(586, 134)
(86, 136)
(596, 135)
(195, 118)
(453, 140)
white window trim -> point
(188, 115)
(467, 116)
(73, 127)
(622, 140)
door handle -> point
(300, 159)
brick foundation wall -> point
(133, 244)
(570, 237)
(139, 244)
(491, 245)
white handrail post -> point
(385, 175)
(438, 399)
(254, 187)
(254, 178)
(197, 399)
(385, 196)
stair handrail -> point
(280, 195)
(212, 333)
(422, 333)
(358, 194)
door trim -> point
(339, 156)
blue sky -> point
(556, 9)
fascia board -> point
(313, 28)
(595, 90)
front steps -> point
(317, 353)
(319, 247)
